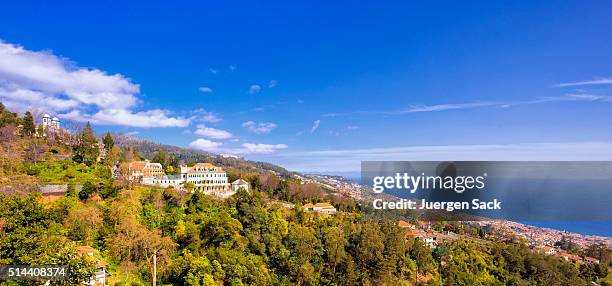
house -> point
(570, 257)
(405, 224)
(430, 240)
(140, 169)
(240, 183)
(325, 208)
(547, 250)
(99, 277)
(591, 260)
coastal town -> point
(535, 236)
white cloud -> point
(349, 160)
(586, 82)
(52, 75)
(352, 127)
(254, 89)
(244, 149)
(205, 89)
(41, 80)
(205, 145)
(259, 127)
(232, 67)
(150, 118)
(213, 71)
(315, 126)
(272, 83)
(212, 133)
(252, 148)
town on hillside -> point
(117, 217)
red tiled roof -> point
(403, 223)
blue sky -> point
(319, 86)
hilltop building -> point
(207, 178)
(240, 183)
(48, 125)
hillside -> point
(269, 235)
(190, 156)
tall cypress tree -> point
(87, 151)
(108, 142)
(28, 124)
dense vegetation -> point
(260, 237)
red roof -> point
(403, 223)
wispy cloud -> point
(205, 89)
(443, 107)
(131, 133)
(349, 160)
(315, 126)
(259, 127)
(213, 71)
(272, 83)
(244, 149)
(201, 115)
(232, 67)
(253, 89)
(469, 105)
(597, 81)
(253, 148)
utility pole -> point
(155, 267)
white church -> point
(49, 125)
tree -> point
(108, 141)
(112, 156)
(87, 151)
(7, 117)
(161, 157)
(35, 151)
(28, 124)
(87, 190)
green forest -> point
(259, 237)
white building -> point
(324, 208)
(175, 181)
(240, 183)
(206, 178)
(50, 124)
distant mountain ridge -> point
(188, 156)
